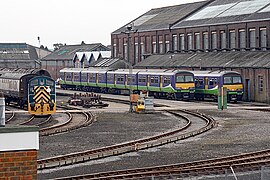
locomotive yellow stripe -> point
(41, 97)
(43, 92)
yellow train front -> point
(41, 96)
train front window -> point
(189, 79)
(180, 79)
(232, 80)
(184, 78)
(237, 80)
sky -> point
(70, 21)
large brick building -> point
(234, 34)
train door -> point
(160, 81)
(206, 83)
(247, 90)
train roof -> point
(213, 73)
(10, 75)
(125, 71)
(71, 70)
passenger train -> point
(32, 87)
(207, 83)
(172, 84)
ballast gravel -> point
(237, 131)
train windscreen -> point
(232, 80)
(184, 78)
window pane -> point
(232, 40)
(223, 40)
(198, 41)
(242, 38)
(252, 38)
(205, 41)
(175, 43)
(182, 42)
(263, 39)
(214, 40)
(190, 42)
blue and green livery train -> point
(207, 84)
(172, 84)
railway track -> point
(11, 116)
(243, 162)
(136, 145)
(72, 123)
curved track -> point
(136, 145)
(198, 168)
(74, 121)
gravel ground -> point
(238, 131)
(108, 129)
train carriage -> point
(207, 84)
(173, 84)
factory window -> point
(263, 38)
(205, 41)
(260, 84)
(214, 39)
(160, 47)
(242, 38)
(182, 41)
(174, 39)
(232, 39)
(252, 38)
(190, 41)
(167, 46)
(125, 52)
(154, 47)
(142, 51)
(223, 40)
(136, 52)
(198, 40)
(114, 50)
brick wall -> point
(18, 165)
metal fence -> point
(228, 174)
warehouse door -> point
(247, 90)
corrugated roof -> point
(229, 59)
(67, 52)
(228, 11)
(162, 18)
(17, 51)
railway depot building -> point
(208, 35)
(66, 56)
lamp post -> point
(129, 30)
